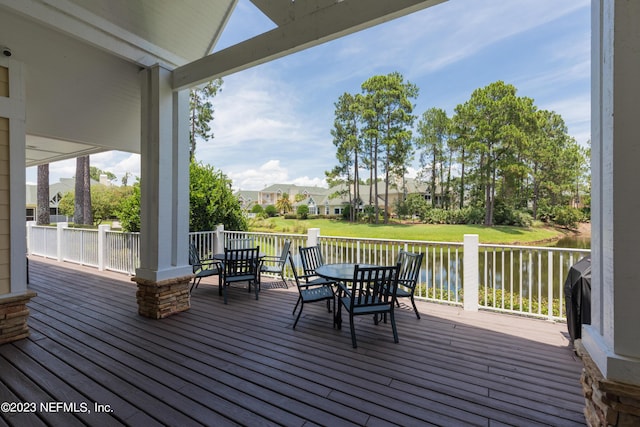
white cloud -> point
(254, 106)
(445, 34)
(311, 182)
(576, 112)
(118, 163)
(256, 179)
(269, 173)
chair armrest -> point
(343, 288)
(271, 259)
(209, 263)
(407, 283)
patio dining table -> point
(342, 273)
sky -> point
(272, 123)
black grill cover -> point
(577, 294)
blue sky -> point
(272, 123)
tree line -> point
(497, 157)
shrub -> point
(473, 215)
(302, 211)
(271, 211)
(566, 216)
(257, 209)
(128, 212)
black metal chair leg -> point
(393, 326)
(353, 332)
(415, 308)
(298, 316)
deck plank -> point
(243, 364)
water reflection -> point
(577, 242)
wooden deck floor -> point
(243, 364)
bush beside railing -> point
(515, 279)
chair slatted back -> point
(285, 252)
(373, 289)
(245, 243)
(410, 263)
(194, 258)
(311, 258)
(240, 262)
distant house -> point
(316, 198)
(56, 191)
(332, 201)
(247, 199)
(396, 192)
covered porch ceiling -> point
(82, 57)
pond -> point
(574, 242)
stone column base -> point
(607, 403)
(161, 299)
(13, 317)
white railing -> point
(525, 280)
(80, 246)
(43, 241)
(122, 252)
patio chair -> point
(240, 265)
(410, 263)
(202, 268)
(311, 292)
(373, 291)
(311, 258)
(244, 243)
(277, 264)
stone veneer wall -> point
(607, 403)
(13, 317)
(161, 299)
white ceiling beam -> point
(328, 23)
(282, 12)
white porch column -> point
(612, 340)
(164, 194)
(13, 276)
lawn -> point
(437, 233)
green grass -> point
(438, 233)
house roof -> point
(81, 58)
(247, 195)
(294, 189)
(64, 185)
